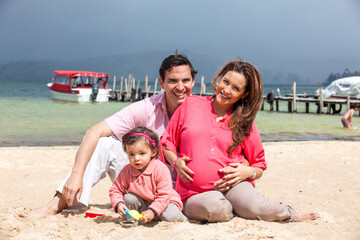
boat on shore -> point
(344, 87)
(80, 86)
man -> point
(346, 120)
(100, 154)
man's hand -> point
(182, 170)
(72, 187)
(148, 216)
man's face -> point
(177, 84)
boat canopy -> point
(343, 87)
(80, 73)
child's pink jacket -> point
(154, 185)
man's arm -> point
(74, 184)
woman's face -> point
(230, 89)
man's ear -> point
(161, 82)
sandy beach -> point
(309, 176)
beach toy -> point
(93, 215)
(134, 214)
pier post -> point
(289, 106)
(113, 89)
(137, 89)
(128, 87)
(121, 88)
(294, 97)
(146, 87)
(321, 101)
(307, 105)
(348, 103)
(277, 104)
(272, 103)
(328, 108)
(155, 85)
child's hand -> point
(120, 208)
(148, 216)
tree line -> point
(334, 76)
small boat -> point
(80, 86)
(343, 87)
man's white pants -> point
(108, 158)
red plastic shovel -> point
(93, 215)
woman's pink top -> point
(154, 185)
(194, 132)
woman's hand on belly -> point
(233, 174)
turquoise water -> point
(30, 117)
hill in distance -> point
(138, 64)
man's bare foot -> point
(55, 206)
(308, 216)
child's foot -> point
(308, 216)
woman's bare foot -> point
(308, 216)
(55, 206)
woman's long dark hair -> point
(245, 109)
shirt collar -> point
(162, 102)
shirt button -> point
(213, 137)
(212, 149)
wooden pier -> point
(324, 106)
(130, 90)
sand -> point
(310, 176)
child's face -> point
(140, 154)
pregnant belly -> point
(205, 175)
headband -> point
(144, 135)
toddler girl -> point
(145, 183)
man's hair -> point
(173, 61)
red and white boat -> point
(80, 86)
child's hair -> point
(353, 106)
(138, 133)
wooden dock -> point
(130, 90)
(324, 106)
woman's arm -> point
(179, 164)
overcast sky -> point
(271, 30)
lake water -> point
(30, 117)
